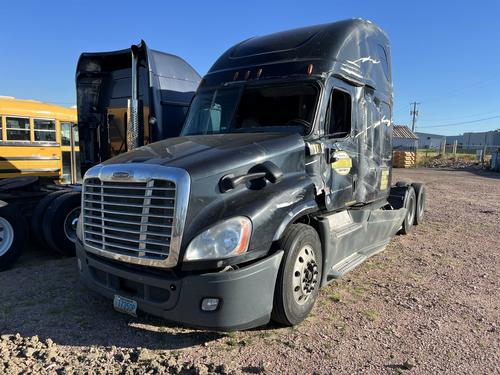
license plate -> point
(125, 305)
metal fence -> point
(472, 153)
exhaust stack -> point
(134, 115)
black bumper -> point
(245, 294)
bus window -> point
(76, 138)
(18, 129)
(45, 130)
(65, 134)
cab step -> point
(346, 264)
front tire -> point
(299, 277)
(13, 236)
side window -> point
(1, 128)
(45, 130)
(339, 114)
(65, 134)
(18, 129)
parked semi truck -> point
(157, 86)
(279, 183)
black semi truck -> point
(279, 183)
(125, 99)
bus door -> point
(70, 149)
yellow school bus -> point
(38, 139)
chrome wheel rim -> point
(6, 236)
(305, 275)
(421, 203)
(411, 211)
(70, 224)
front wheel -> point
(299, 277)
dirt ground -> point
(428, 304)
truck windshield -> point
(276, 108)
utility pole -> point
(414, 114)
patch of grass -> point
(266, 334)
(358, 291)
(371, 315)
(231, 334)
(335, 297)
(246, 342)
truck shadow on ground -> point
(48, 301)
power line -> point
(461, 123)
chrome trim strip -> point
(121, 212)
(31, 170)
(143, 173)
(116, 229)
(127, 187)
(129, 222)
(9, 158)
(124, 196)
(139, 241)
(148, 206)
(29, 143)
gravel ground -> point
(428, 304)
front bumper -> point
(246, 294)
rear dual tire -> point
(59, 223)
(54, 221)
(420, 205)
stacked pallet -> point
(403, 159)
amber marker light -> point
(246, 228)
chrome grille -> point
(134, 219)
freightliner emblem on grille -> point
(122, 175)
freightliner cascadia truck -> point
(279, 183)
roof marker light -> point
(310, 68)
(236, 75)
(259, 73)
(247, 75)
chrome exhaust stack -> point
(134, 110)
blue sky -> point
(446, 54)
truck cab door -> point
(341, 153)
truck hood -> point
(205, 155)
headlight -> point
(223, 240)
